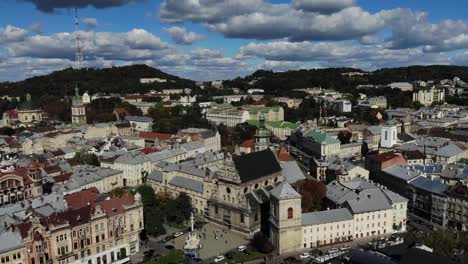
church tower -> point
(388, 136)
(78, 110)
(262, 136)
(285, 218)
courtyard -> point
(215, 240)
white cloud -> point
(90, 22)
(36, 27)
(182, 36)
(322, 6)
(10, 34)
(280, 65)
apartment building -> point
(100, 232)
(428, 96)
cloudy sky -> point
(219, 39)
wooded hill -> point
(282, 82)
(108, 80)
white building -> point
(343, 106)
(141, 123)
(388, 137)
(428, 96)
(152, 80)
(404, 86)
(361, 214)
(86, 98)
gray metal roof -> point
(132, 158)
(284, 191)
(10, 241)
(291, 171)
(369, 200)
(326, 217)
(55, 200)
(139, 119)
(186, 183)
(403, 173)
(429, 185)
(83, 175)
(156, 176)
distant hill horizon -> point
(126, 79)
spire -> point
(28, 97)
(77, 91)
(261, 120)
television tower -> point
(78, 52)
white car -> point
(218, 259)
(345, 248)
(304, 255)
(178, 234)
(332, 251)
(241, 248)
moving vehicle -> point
(177, 234)
(219, 259)
(241, 248)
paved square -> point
(214, 241)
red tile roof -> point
(34, 165)
(63, 177)
(283, 154)
(383, 157)
(149, 150)
(82, 198)
(115, 205)
(154, 135)
(249, 143)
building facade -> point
(78, 110)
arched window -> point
(290, 213)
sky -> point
(223, 39)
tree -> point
(261, 243)
(7, 131)
(86, 159)
(344, 137)
(118, 192)
(148, 196)
(312, 193)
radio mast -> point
(78, 51)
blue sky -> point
(219, 39)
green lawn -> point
(176, 226)
(241, 257)
(175, 256)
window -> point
(242, 220)
(290, 213)
(256, 217)
(228, 190)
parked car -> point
(177, 234)
(333, 251)
(241, 248)
(304, 255)
(168, 238)
(219, 259)
(345, 248)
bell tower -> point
(262, 136)
(285, 218)
(78, 109)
